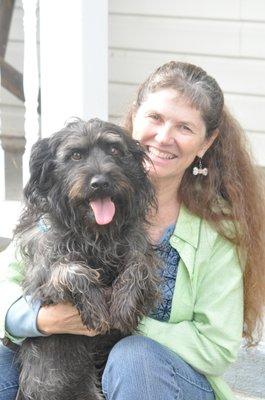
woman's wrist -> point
(61, 318)
(45, 321)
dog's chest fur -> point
(49, 247)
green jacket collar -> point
(185, 238)
(188, 227)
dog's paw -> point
(95, 317)
(124, 323)
(101, 326)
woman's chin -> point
(156, 172)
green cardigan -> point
(206, 321)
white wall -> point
(224, 37)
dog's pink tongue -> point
(104, 210)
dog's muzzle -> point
(101, 204)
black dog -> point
(83, 240)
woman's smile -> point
(159, 155)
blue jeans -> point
(138, 368)
(8, 374)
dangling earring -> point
(200, 170)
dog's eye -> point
(76, 156)
(114, 151)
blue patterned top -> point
(170, 258)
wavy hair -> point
(234, 188)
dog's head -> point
(89, 172)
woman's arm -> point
(19, 318)
(61, 318)
(10, 278)
(25, 319)
(210, 341)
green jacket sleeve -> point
(210, 341)
(10, 279)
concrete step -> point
(240, 396)
(247, 375)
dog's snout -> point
(99, 182)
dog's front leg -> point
(135, 292)
(79, 284)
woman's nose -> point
(164, 135)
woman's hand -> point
(61, 318)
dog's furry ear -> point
(137, 150)
(40, 166)
(145, 191)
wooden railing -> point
(12, 146)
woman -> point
(210, 223)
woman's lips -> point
(155, 153)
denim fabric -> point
(139, 368)
(8, 374)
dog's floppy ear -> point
(136, 149)
(40, 166)
(145, 191)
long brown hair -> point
(234, 188)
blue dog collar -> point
(42, 225)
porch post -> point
(30, 81)
(73, 61)
(2, 162)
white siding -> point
(224, 37)
(225, 9)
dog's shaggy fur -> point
(83, 240)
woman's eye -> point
(76, 156)
(185, 128)
(156, 117)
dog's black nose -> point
(99, 182)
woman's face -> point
(173, 132)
